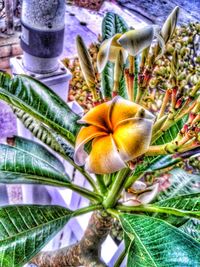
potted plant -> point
(130, 147)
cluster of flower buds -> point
(189, 136)
(180, 64)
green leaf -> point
(172, 132)
(23, 166)
(192, 228)
(153, 242)
(112, 24)
(181, 183)
(107, 80)
(43, 104)
(37, 150)
(25, 230)
(122, 88)
(189, 202)
(4, 80)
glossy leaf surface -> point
(24, 231)
(22, 166)
(155, 243)
(190, 203)
(43, 104)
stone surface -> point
(155, 11)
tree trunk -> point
(86, 252)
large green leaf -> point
(30, 166)
(43, 104)
(189, 202)
(154, 243)
(37, 150)
(112, 24)
(24, 231)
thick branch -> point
(86, 252)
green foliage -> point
(107, 80)
(24, 231)
(28, 162)
(42, 103)
(112, 24)
(190, 202)
(153, 242)
(149, 163)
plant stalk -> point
(117, 187)
(86, 210)
(157, 209)
(84, 192)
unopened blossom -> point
(139, 194)
(120, 131)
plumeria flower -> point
(131, 42)
(120, 131)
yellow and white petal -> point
(104, 157)
(122, 109)
(114, 51)
(98, 116)
(104, 51)
(135, 41)
(132, 137)
(85, 135)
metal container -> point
(43, 23)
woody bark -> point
(86, 252)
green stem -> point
(156, 209)
(117, 187)
(85, 192)
(86, 210)
(83, 172)
(101, 185)
(89, 179)
(120, 259)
